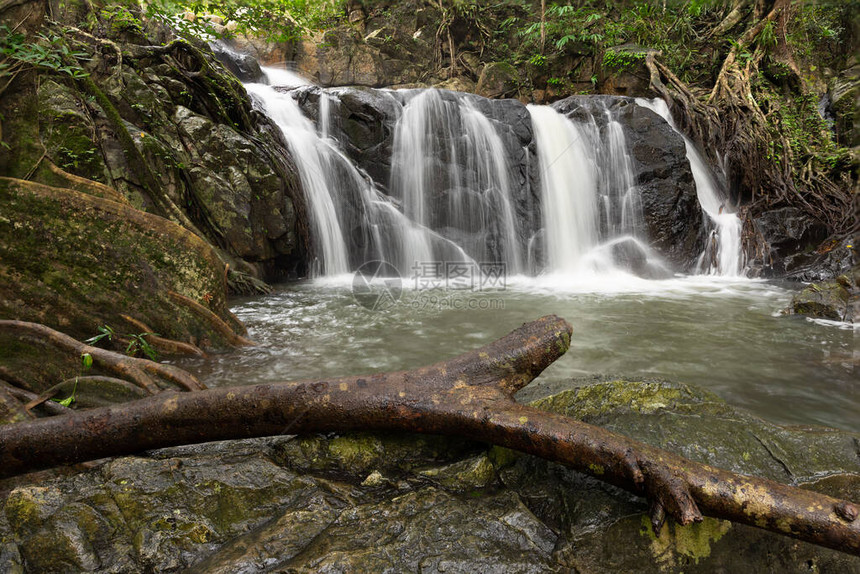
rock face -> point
(673, 217)
(76, 261)
(498, 80)
(174, 133)
(375, 502)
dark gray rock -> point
(791, 239)
(243, 66)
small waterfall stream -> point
(450, 170)
(569, 184)
(352, 221)
(724, 245)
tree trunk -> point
(542, 25)
(470, 396)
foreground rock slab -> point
(374, 501)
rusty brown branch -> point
(469, 396)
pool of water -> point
(725, 335)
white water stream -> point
(726, 236)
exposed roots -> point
(730, 124)
(143, 373)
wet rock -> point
(243, 66)
(632, 256)
(400, 502)
(673, 218)
(844, 92)
(830, 300)
(106, 259)
(791, 241)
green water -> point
(726, 336)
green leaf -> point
(87, 361)
(67, 402)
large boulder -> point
(399, 502)
(75, 261)
(173, 132)
(828, 300)
(498, 80)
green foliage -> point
(619, 60)
(274, 20)
(105, 332)
(766, 39)
(86, 365)
(798, 121)
(137, 342)
(74, 159)
(49, 52)
(121, 19)
(817, 28)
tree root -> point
(141, 372)
(469, 396)
(162, 345)
(214, 321)
(729, 124)
(28, 398)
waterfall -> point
(726, 235)
(314, 157)
(451, 172)
(352, 221)
(569, 189)
(460, 183)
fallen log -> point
(470, 396)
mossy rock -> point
(74, 262)
(403, 502)
(498, 80)
(827, 300)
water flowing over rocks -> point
(365, 123)
(371, 501)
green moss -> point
(693, 541)
(355, 451)
(28, 507)
(607, 397)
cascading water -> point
(723, 254)
(453, 195)
(451, 172)
(314, 158)
(592, 213)
(352, 221)
(569, 184)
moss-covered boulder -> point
(169, 129)
(360, 502)
(827, 300)
(74, 261)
